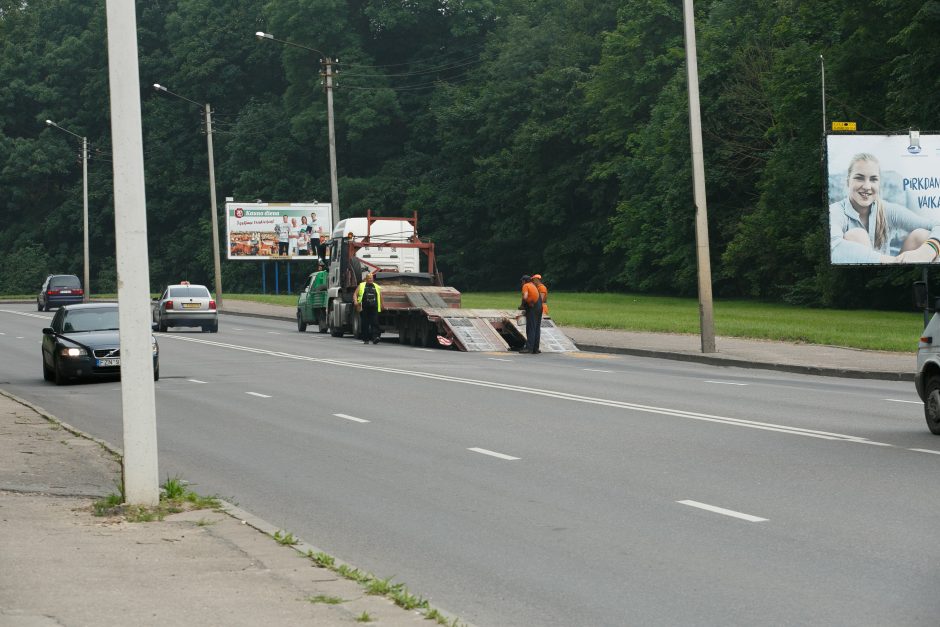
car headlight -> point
(73, 352)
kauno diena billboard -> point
(281, 231)
(884, 199)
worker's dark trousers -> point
(533, 325)
(369, 324)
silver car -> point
(186, 305)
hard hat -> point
(537, 276)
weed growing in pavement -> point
(323, 598)
(365, 617)
(396, 592)
(204, 522)
(286, 538)
(175, 497)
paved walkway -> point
(61, 565)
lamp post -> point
(87, 287)
(328, 67)
(215, 208)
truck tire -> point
(301, 325)
(323, 324)
(356, 326)
(336, 328)
(932, 404)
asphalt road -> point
(549, 490)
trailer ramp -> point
(484, 329)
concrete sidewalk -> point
(784, 356)
(61, 565)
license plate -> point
(66, 292)
(109, 361)
(191, 305)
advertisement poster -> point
(884, 199)
(282, 231)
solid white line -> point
(19, 337)
(506, 387)
(427, 350)
(925, 450)
(353, 418)
(274, 332)
(500, 359)
(723, 511)
(236, 329)
(725, 382)
(2, 333)
(195, 381)
(258, 395)
(896, 400)
(23, 313)
(595, 370)
(493, 454)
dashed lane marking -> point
(352, 418)
(258, 395)
(723, 511)
(484, 451)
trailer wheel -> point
(932, 404)
(323, 325)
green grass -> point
(175, 497)
(874, 330)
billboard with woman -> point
(262, 230)
(884, 199)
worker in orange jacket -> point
(532, 305)
(543, 291)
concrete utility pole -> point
(706, 315)
(141, 472)
(214, 209)
(327, 63)
(85, 278)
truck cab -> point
(311, 302)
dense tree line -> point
(547, 135)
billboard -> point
(884, 199)
(272, 230)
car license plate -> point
(66, 292)
(191, 305)
(109, 361)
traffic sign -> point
(843, 126)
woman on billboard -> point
(862, 224)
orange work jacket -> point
(530, 293)
(543, 291)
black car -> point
(83, 342)
(58, 290)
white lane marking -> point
(274, 332)
(426, 350)
(897, 400)
(19, 337)
(723, 511)
(23, 313)
(258, 395)
(596, 370)
(493, 454)
(353, 418)
(665, 411)
(924, 450)
(2, 333)
(725, 382)
(500, 359)
(195, 381)
(237, 329)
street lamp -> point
(215, 209)
(87, 287)
(328, 66)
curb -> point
(730, 362)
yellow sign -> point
(843, 126)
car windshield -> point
(59, 282)
(82, 320)
(189, 292)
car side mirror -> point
(48, 331)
